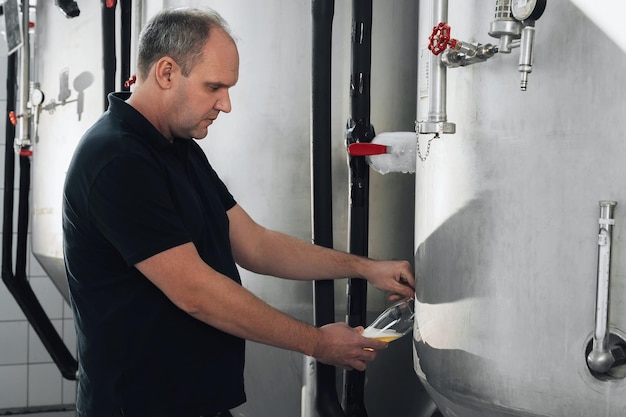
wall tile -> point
(69, 392)
(14, 342)
(13, 386)
(44, 385)
(9, 310)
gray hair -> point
(179, 33)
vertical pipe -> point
(327, 402)
(436, 78)
(125, 41)
(437, 71)
(9, 174)
(600, 359)
(109, 60)
(23, 122)
(360, 130)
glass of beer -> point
(394, 322)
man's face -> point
(199, 98)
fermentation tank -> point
(261, 150)
(508, 215)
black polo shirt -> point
(130, 194)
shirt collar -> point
(136, 121)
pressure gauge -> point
(528, 9)
(36, 97)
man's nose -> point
(223, 102)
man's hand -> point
(392, 276)
(343, 346)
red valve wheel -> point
(440, 38)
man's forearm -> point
(284, 256)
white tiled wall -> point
(28, 376)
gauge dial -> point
(36, 97)
(528, 9)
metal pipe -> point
(23, 138)
(125, 40)
(437, 119)
(438, 73)
(109, 56)
(526, 54)
(600, 359)
(326, 399)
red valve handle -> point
(132, 80)
(366, 149)
(440, 39)
(13, 118)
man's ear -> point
(163, 70)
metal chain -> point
(419, 153)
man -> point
(152, 238)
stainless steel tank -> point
(507, 220)
(261, 150)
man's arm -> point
(272, 253)
(215, 299)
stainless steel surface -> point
(261, 150)
(505, 214)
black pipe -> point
(109, 60)
(326, 401)
(17, 283)
(125, 31)
(359, 130)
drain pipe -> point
(326, 399)
(125, 41)
(17, 283)
(359, 131)
(109, 60)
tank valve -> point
(513, 26)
